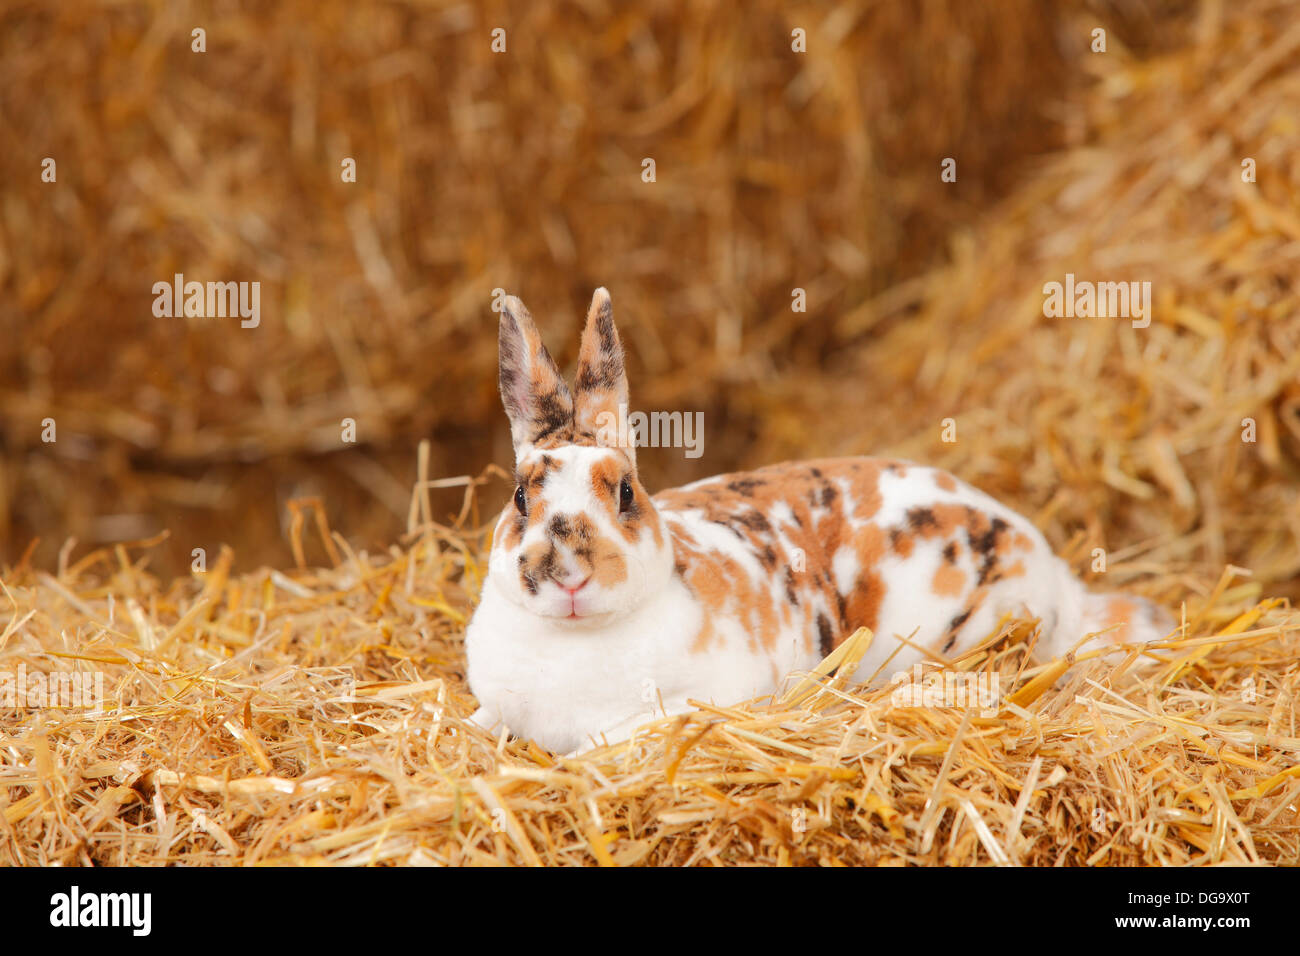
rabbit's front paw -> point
(484, 718)
(624, 730)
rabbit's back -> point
(793, 558)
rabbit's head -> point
(580, 541)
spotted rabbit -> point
(603, 604)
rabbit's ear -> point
(536, 399)
(601, 384)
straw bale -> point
(476, 171)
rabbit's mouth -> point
(579, 617)
(580, 603)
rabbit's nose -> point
(574, 581)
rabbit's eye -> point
(520, 501)
(624, 496)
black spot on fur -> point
(507, 380)
(955, 625)
(544, 569)
(607, 369)
(769, 557)
(920, 518)
(745, 486)
(554, 412)
(829, 494)
(736, 524)
(986, 546)
(603, 375)
(987, 540)
(611, 367)
(824, 633)
(950, 552)
(605, 324)
(532, 481)
(791, 594)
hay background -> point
(476, 171)
(775, 171)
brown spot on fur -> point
(945, 482)
(509, 530)
(1120, 611)
(512, 526)
(870, 546)
(609, 567)
(605, 477)
(704, 637)
(862, 609)
(948, 581)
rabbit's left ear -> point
(600, 387)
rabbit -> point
(604, 607)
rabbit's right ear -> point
(536, 399)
